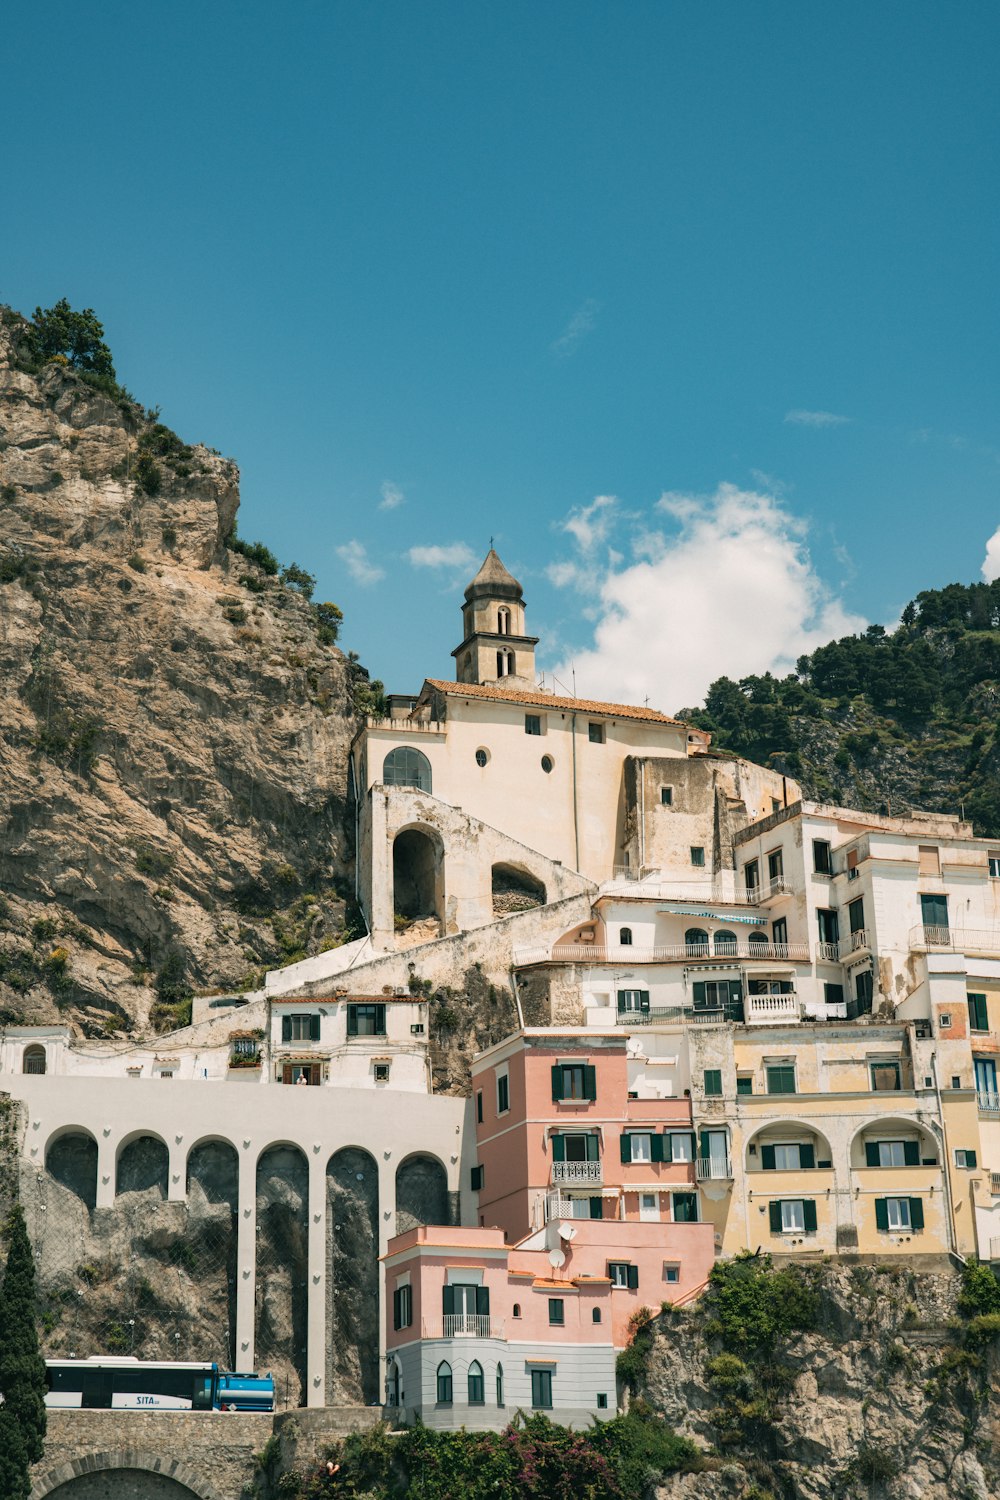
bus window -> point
(202, 1398)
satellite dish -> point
(633, 1046)
(567, 1232)
(556, 1259)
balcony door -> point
(986, 1077)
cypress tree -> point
(22, 1370)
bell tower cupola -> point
(495, 647)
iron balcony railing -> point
(855, 942)
(471, 1326)
(753, 1010)
(713, 1169)
(984, 941)
(590, 953)
(578, 1173)
(988, 1103)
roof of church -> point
(497, 694)
(492, 573)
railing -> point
(988, 1104)
(763, 1010)
(854, 942)
(830, 952)
(713, 1169)
(995, 1182)
(590, 953)
(471, 1326)
(959, 940)
(631, 882)
(578, 1173)
(558, 1207)
(779, 886)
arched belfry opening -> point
(494, 644)
(417, 875)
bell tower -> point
(495, 647)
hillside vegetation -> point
(884, 721)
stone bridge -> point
(105, 1455)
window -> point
(503, 620)
(402, 1307)
(821, 857)
(557, 1311)
(697, 856)
(595, 1316)
(574, 1081)
(757, 941)
(532, 723)
(166, 1073)
(885, 1077)
(623, 1274)
(671, 1271)
(503, 1093)
(864, 988)
(406, 767)
(632, 1002)
(482, 757)
(896, 1215)
(300, 1028)
(380, 1072)
(547, 764)
(966, 1159)
(719, 994)
(625, 937)
(602, 1400)
(751, 875)
(595, 734)
(781, 1078)
(505, 663)
(779, 932)
(724, 944)
(666, 796)
(713, 1080)
(477, 1392)
(928, 859)
(775, 865)
(977, 1013)
(499, 1385)
(793, 1216)
(744, 1083)
(478, 1178)
(639, 1147)
(852, 864)
(541, 1389)
(994, 864)
(787, 1158)
(365, 1020)
(444, 1384)
(515, 1311)
(34, 1060)
(678, 1146)
(685, 1208)
(576, 1145)
(892, 1153)
(829, 926)
(946, 1020)
(833, 994)
(479, 1106)
(696, 942)
(856, 915)
(934, 916)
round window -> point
(547, 763)
(482, 757)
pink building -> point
(588, 1210)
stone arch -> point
(784, 1130)
(71, 1160)
(142, 1164)
(422, 1195)
(418, 874)
(407, 766)
(515, 889)
(212, 1181)
(352, 1280)
(70, 1481)
(892, 1127)
(283, 1269)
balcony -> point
(995, 1183)
(471, 1326)
(558, 1207)
(589, 953)
(987, 1103)
(855, 942)
(828, 952)
(982, 941)
(626, 881)
(578, 1173)
(757, 895)
(713, 1169)
(772, 1010)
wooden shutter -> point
(558, 1148)
(699, 992)
(477, 1179)
(557, 1083)
(597, 1208)
(447, 1300)
(774, 1211)
(286, 1028)
(970, 1159)
(809, 1214)
(871, 1153)
(589, 1081)
(767, 1158)
(881, 1213)
(656, 1147)
(911, 1153)
(694, 1145)
(703, 1146)
(644, 1001)
(380, 1020)
(482, 1301)
(592, 1145)
(314, 1028)
(352, 1020)
(621, 1002)
(807, 1157)
(397, 1316)
(625, 1144)
(633, 1278)
(916, 1213)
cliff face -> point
(892, 1394)
(173, 729)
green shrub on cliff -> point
(752, 1306)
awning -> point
(709, 916)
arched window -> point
(625, 937)
(516, 1311)
(406, 767)
(596, 1315)
(503, 620)
(444, 1384)
(392, 1384)
(34, 1059)
(757, 940)
(696, 942)
(477, 1390)
(499, 1385)
(725, 944)
(505, 663)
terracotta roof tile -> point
(498, 694)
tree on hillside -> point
(22, 1370)
(77, 336)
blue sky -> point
(433, 272)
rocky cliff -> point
(174, 720)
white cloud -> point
(454, 555)
(583, 321)
(816, 418)
(392, 497)
(991, 562)
(729, 590)
(355, 558)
